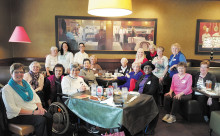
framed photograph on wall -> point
(105, 35)
(207, 36)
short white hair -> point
(32, 63)
(124, 59)
(136, 64)
(53, 48)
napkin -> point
(109, 102)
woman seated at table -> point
(51, 60)
(87, 74)
(72, 83)
(36, 79)
(152, 53)
(132, 77)
(94, 66)
(52, 84)
(199, 82)
(124, 69)
(180, 90)
(23, 106)
(148, 84)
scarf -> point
(22, 90)
(34, 82)
(52, 80)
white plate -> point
(134, 93)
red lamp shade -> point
(19, 35)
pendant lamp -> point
(19, 35)
(110, 8)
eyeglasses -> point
(81, 46)
(17, 72)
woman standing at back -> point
(65, 57)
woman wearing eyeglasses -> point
(23, 105)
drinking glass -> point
(115, 85)
(124, 93)
(208, 85)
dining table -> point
(134, 115)
(208, 93)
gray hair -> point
(53, 48)
(124, 59)
(74, 65)
(32, 63)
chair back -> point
(3, 118)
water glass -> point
(93, 89)
(124, 93)
(115, 85)
(116, 70)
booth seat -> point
(191, 110)
(214, 123)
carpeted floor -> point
(179, 128)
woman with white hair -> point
(124, 69)
(152, 53)
(51, 60)
(131, 78)
(35, 79)
(72, 83)
(94, 66)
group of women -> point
(150, 74)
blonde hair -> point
(176, 45)
(94, 57)
(152, 46)
(140, 59)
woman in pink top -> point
(180, 90)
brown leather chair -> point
(13, 128)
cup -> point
(116, 70)
(208, 84)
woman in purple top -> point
(180, 90)
(135, 75)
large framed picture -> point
(207, 36)
(105, 35)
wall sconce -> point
(110, 8)
(19, 35)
